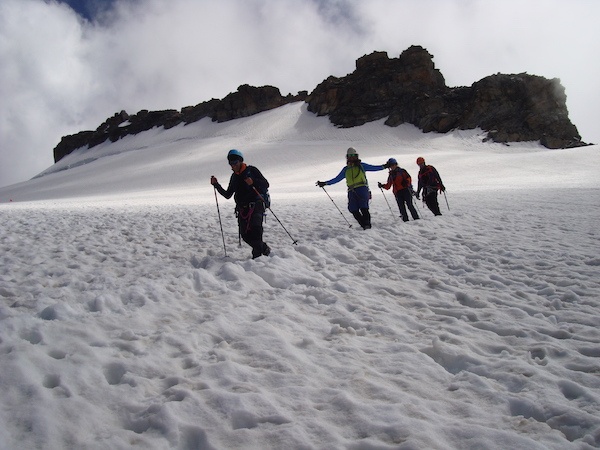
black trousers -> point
(250, 223)
(363, 217)
(404, 200)
(431, 201)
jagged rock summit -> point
(408, 89)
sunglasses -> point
(351, 156)
(233, 162)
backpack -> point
(406, 180)
(264, 191)
(401, 179)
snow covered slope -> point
(124, 325)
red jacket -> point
(399, 179)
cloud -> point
(60, 74)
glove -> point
(321, 183)
(442, 188)
(213, 180)
(386, 166)
(380, 185)
(417, 196)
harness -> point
(250, 210)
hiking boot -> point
(266, 250)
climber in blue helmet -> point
(248, 187)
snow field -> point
(124, 325)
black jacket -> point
(429, 178)
(243, 194)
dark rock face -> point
(247, 101)
(408, 89)
(403, 89)
(521, 108)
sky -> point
(128, 320)
(62, 72)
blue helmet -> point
(392, 161)
(235, 154)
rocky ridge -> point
(408, 89)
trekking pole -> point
(418, 209)
(446, 200)
(349, 224)
(220, 223)
(294, 241)
(412, 192)
(388, 203)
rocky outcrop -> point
(520, 107)
(402, 89)
(407, 89)
(248, 100)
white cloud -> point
(60, 74)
